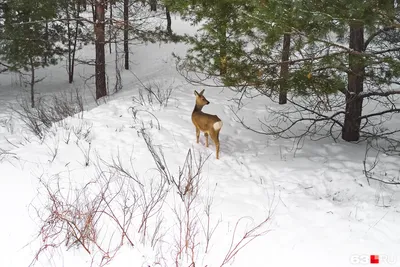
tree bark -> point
(352, 121)
(222, 48)
(72, 65)
(169, 22)
(32, 83)
(94, 11)
(69, 34)
(46, 37)
(110, 27)
(126, 33)
(100, 67)
(284, 74)
(153, 5)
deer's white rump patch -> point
(217, 125)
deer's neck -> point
(197, 108)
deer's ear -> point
(202, 91)
(196, 93)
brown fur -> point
(209, 124)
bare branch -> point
(378, 32)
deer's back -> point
(204, 121)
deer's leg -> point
(197, 134)
(215, 138)
(206, 135)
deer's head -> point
(201, 101)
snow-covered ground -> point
(320, 209)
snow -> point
(322, 210)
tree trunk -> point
(222, 48)
(110, 27)
(153, 5)
(126, 33)
(72, 65)
(46, 37)
(100, 67)
(169, 22)
(351, 127)
(32, 83)
(284, 69)
(94, 11)
(118, 79)
(69, 34)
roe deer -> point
(207, 123)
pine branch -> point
(372, 36)
(394, 110)
(6, 67)
(396, 49)
(375, 93)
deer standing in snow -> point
(207, 123)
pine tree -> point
(213, 45)
(328, 53)
(126, 33)
(29, 41)
(70, 30)
(100, 67)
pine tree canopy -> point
(246, 37)
(29, 35)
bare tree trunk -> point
(46, 37)
(71, 41)
(118, 79)
(72, 66)
(126, 33)
(100, 68)
(153, 5)
(72, 38)
(32, 83)
(110, 26)
(94, 11)
(69, 34)
(284, 69)
(351, 127)
(169, 22)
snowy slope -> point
(322, 211)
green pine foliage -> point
(319, 57)
(29, 37)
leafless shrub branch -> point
(189, 175)
(102, 214)
(82, 131)
(136, 118)
(154, 92)
(208, 229)
(186, 213)
(158, 157)
(152, 200)
(7, 155)
(8, 124)
(53, 149)
(370, 167)
(245, 239)
(83, 215)
(118, 167)
(85, 148)
(48, 110)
